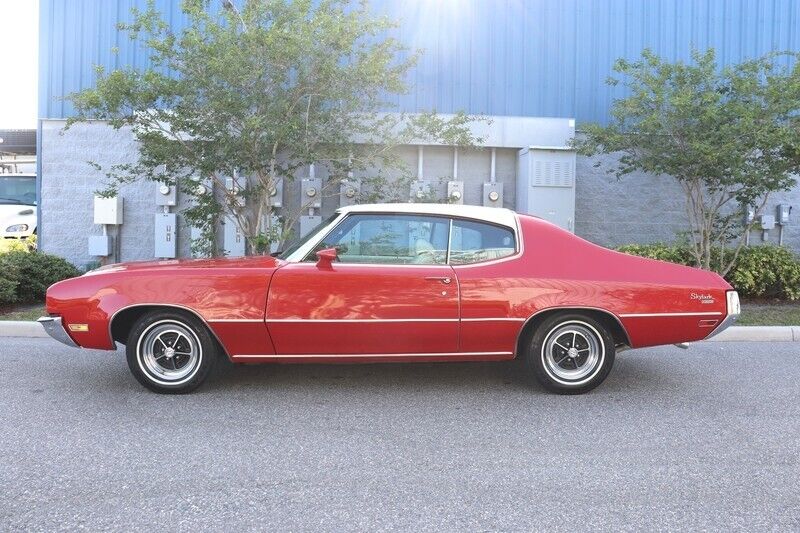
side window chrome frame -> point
(299, 254)
(515, 231)
(302, 253)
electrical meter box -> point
(546, 184)
(100, 245)
(195, 233)
(233, 239)
(166, 194)
(275, 197)
(493, 194)
(767, 222)
(455, 192)
(234, 185)
(349, 192)
(311, 193)
(166, 235)
(420, 190)
(273, 230)
(202, 187)
(784, 210)
(108, 210)
(309, 222)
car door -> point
(482, 256)
(390, 292)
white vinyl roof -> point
(496, 215)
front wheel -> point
(170, 352)
(570, 353)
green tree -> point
(728, 135)
(262, 93)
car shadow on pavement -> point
(365, 376)
(442, 377)
(643, 373)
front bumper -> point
(54, 328)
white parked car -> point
(17, 206)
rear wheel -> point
(170, 352)
(570, 353)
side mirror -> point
(326, 257)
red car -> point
(395, 283)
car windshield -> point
(310, 235)
(18, 190)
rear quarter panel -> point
(656, 302)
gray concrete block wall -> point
(68, 186)
(638, 208)
(643, 208)
(69, 183)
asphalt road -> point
(705, 438)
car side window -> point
(389, 239)
(475, 242)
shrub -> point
(663, 252)
(759, 271)
(767, 272)
(28, 274)
(18, 245)
(8, 289)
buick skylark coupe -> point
(395, 283)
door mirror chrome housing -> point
(326, 257)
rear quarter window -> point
(476, 242)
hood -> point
(219, 263)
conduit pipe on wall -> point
(492, 174)
(350, 166)
(312, 173)
(420, 158)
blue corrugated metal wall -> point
(498, 57)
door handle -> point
(443, 279)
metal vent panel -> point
(548, 173)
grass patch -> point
(23, 312)
(769, 314)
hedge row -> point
(760, 271)
(25, 276)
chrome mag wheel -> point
(573, 352)
(169, 352)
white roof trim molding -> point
(496, 131)
(496, 215)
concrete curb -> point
(12, 328)
(20, 328)
(758, 333)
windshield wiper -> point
(14, 200)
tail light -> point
(734, 307)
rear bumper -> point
(734, 309)
(54, 328)
(725, 324)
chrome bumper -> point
(54, 328)
(734, 309)
(722, 326)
